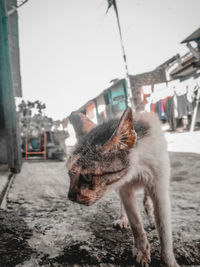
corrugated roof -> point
(192, 37)
(167, 62)
(186, 64)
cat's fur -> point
(82, 125)
(126, 154)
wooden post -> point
(195, 111)
(7, 96)
(45, 146)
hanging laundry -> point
(146, 97)
(153, 107)
(169, 111)
(184, 106)
(161, 111)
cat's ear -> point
(124, 135)
(81, 123)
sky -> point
(70, 49)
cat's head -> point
(101, 158)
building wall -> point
(13, 35)
(147, 78)
(3, 144)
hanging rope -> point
(130, 99)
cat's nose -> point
(72, 196)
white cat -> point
(126, 155)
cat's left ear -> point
(124, 135)
(81, 123)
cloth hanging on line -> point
(184, 106)
(169, 111)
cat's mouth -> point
(86, 196)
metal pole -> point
(195, 111)
(45, 146)
(129, 91)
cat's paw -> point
(169, 260)
(175, 264)
(121, 223)
(143, 256)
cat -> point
(126, 154)
(82, 125)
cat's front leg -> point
(122, 222)
(142, 247)
(161, 201)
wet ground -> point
(40, 227)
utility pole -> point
(128, 81)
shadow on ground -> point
(14, 234)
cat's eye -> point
(86, 177)
(71, 172)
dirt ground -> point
(41, 227)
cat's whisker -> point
(123, 144)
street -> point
(43, 228)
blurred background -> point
(95, 57)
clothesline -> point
(171, 101)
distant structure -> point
(114, 100)
(190, 63)
(178, 77)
